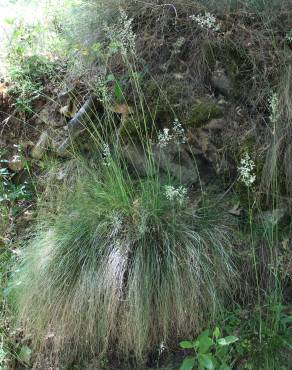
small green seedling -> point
(211, 351)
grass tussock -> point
(125, 258)
(277, 171)
(123, 268)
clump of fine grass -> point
(124, 266)
(277, 171)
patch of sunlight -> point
(12, 11)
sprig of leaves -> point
(211, 351)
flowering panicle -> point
(106, 154)
(102, 89)
(178, 45)
(206, 21)
(164, 138)
(117, 221)
(121, 35)
(274, 108)
(246, 170)
(178, 131)
(289, 36)
(175, 194)
(176, 134)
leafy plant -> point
(10, 192)
(211, 351)
(29, 66)
(28, 76)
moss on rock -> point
(203, 112)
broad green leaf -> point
(205, 333)
(204, 344)
(118, 92)
(224, 367)
(216, 332)
(186, 344)
(196, 344)
(188, 363)
(206, 361)
(227, 340)
(25, 354)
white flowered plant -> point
(164, 138)
(178, 44)
(274, 108)
(3, 353)
(162, 348)
(289, 36)
(175, 194)
(117, 221)
(175, 134)
(206, 21)
(179, 132)
(121, 34)
(246, 170)
(102, 89)
(106, 154)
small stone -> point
(41, 146)
(28, 216)
(221, 82)
(16, 163)
(215, 124)
(50, 116)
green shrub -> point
(124, 266)
(28, 79)
(31, 62)
(211, 351)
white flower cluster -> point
(177, 134)
(289, 36)
(178, 131)
(207, 21)
(121, 35)
(106, 154)
(117, 221)
(102, 90)
(178, 44)
(164, 138)
(162, 347)
(246, 170)
(175, 194)
(274, 108)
